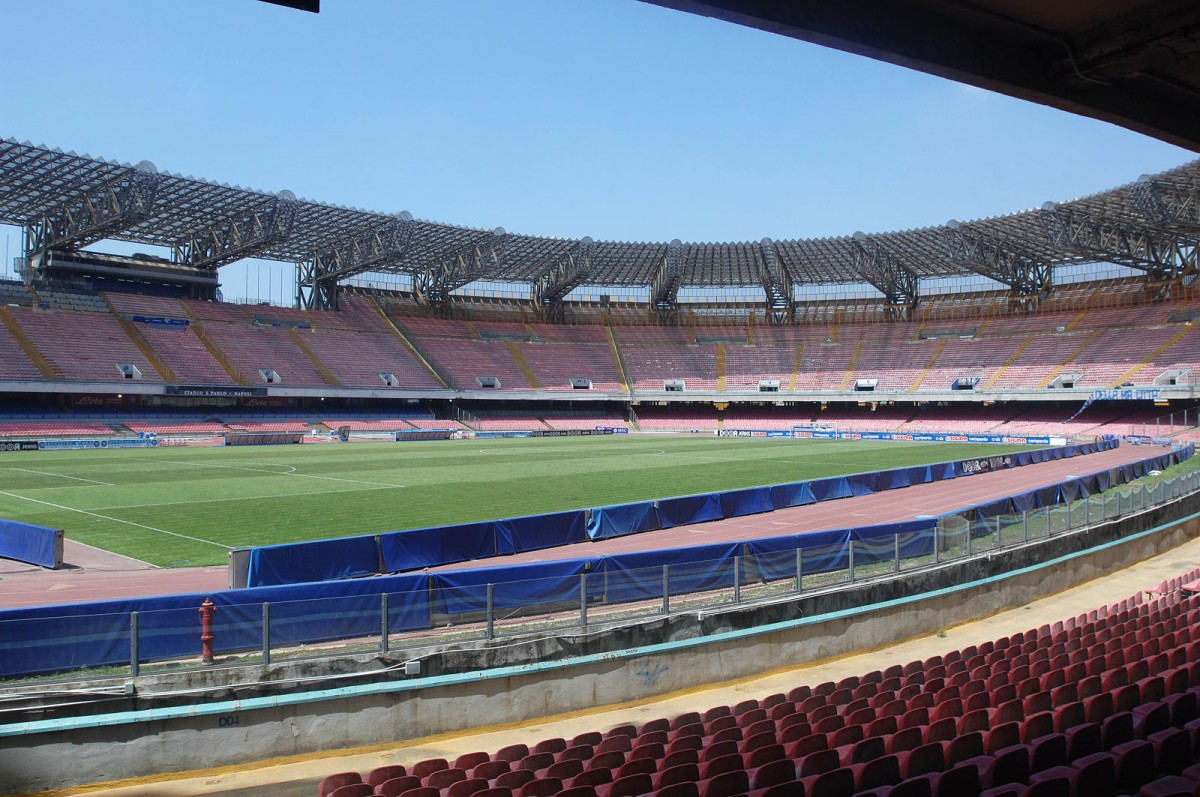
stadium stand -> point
(52, 429)
(1103, 703)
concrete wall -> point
(512, 682)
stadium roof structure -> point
(1135, 63)
(64, 201)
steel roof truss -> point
(1027, 275)
(95, 214)
(461, 266)
(1164, 256)
(238, 237)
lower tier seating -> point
(1099, 705)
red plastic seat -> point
(394, 787)
(387, 772)
(330, 783)
(359, 789)
(423, 769)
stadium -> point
(485, 513)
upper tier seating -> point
(357, 358)
(94, 349)
(351, 347)
(13, 362)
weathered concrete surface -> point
(530, 680)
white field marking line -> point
(290, 472)
(244, 498)
(116, 520)
(63, 476)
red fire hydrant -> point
(207, 610)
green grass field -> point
(179, 507)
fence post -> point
(583, 600)
(999, 523)
(1024, 526)
(133, 645)
(737, 580)
(383, 622)
(491, 613)
(799, 570)
(266, 634)
(896, 539)
(968, 538)
(850, 564)
(666, 589)
(1068, 515)
(937, 542)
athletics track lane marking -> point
(116, 520)
(63, 476)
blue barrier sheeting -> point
(461, 591)
(638, 576)
(536, 532)
(35, 545)
(617, 521)
(689, 509)
(440, 545)
(319, 560)
(752, 501)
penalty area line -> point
(291, 472)
(116, 520)
(64, 476)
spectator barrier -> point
(121, 632)
(293, 563)
(35, 545)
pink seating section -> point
(353, 345)
(268, 426)
(177, 427)
(52, 428)
(1106, 703)
(92, 351)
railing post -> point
(583, 600)
(666, 589)
(133, 645)
(1068, 515)
(491, 611)
(799, 570)
(999, 523)
(937, 542)
(383, 622)
(896, 539)
(850, 564)
(737, 580)
(968, 539)
(266, 634)
(1024, 526)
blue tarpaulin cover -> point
(622, 519)
(24, 542)
(440, 545)
(319, 560)
(689, 509)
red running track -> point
(886, 507)
(97, 575)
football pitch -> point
(179, 507)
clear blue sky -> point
(608, 118)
